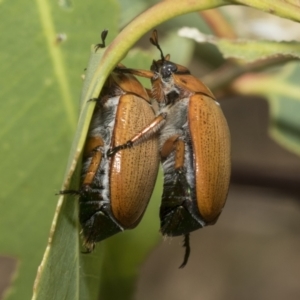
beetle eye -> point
(167, 69)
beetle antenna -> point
(154, 41)
(186, 245)
(103, 37)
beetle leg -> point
(174, 143)
(93, 167)
(92, 148)
(143, 135)
(169, 146)
(92, 143)
(186, 245)
(178, 145)
(179, 155)
(90, 173)
(179, 163)
(137, 72)
(149, 92)
(89, 247)
(68, 192)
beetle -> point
(194, 145)
(115, 190)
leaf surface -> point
(40, 89)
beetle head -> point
(164, 66)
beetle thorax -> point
(175, 122)
(170, 90)
(168, 85)
(164, 90)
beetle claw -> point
(113, 151)
(186, 245)
(68, 192)
(93, 99)
(89, 248)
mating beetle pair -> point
(193, 144)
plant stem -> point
(218, 24)
(286, 9)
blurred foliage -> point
(41, 83)
(281, 89)
(246, 50)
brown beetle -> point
(115, 190)
(194, 144)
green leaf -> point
(81, 272)
(41, 83)
(40, 91)
(63, 243)
(247, 50)
(282, 91)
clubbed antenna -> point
(103, 37)
(154, 41)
